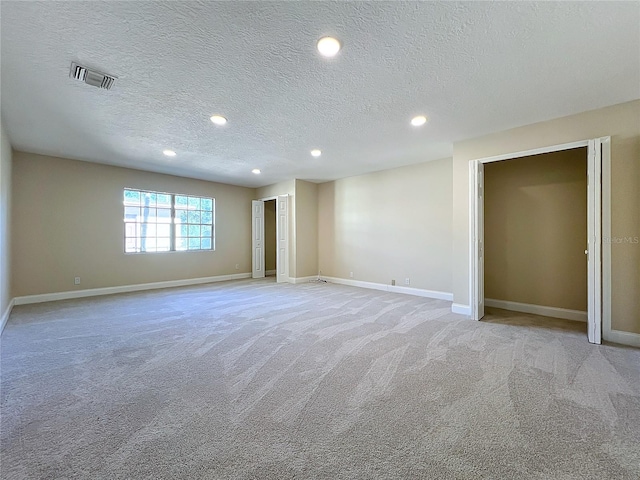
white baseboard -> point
(419, 292)
(624, 338)
(93, 292)
(270, 272)
(554, 312)
(461, 309)
(298, 280)
(5, 315)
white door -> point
(257, 236)
(477, 295)
(594, 245)
(282, 233)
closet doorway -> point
(269, 238)
(598, 225)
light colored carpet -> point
(251, 379)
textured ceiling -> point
(473, 68)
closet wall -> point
(536, 230)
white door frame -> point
(599, 227)
(476, 231)
(282, 238)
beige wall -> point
(535, 219)
(622, 123)
(67, 222)
(270, 245)
(389, 225)
(283, 188)
(5, 220)
(306, 228)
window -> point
(166, 222)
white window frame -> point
(172, 222)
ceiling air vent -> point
(91, 77)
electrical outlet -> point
(76, 281)
(351, 274)
(407, 281)
(237, 266)
(393, 283)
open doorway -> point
(598, 225)
(262, 238)
(270, 238)
(535, 236)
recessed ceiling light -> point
(169, 153)
(328, 46)
(256, 171)
(316, 153)
(218, 119)
(418, 121)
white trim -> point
(472, 240)
(624, 338)
(476, 230)
(93, 292)
(555, 312)
(461, 309)
(5, 315)
(299, 280)
(419, 292)
(594, 240)
(535, 151)
(606, 233)
(266, 199)
(270, 272)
